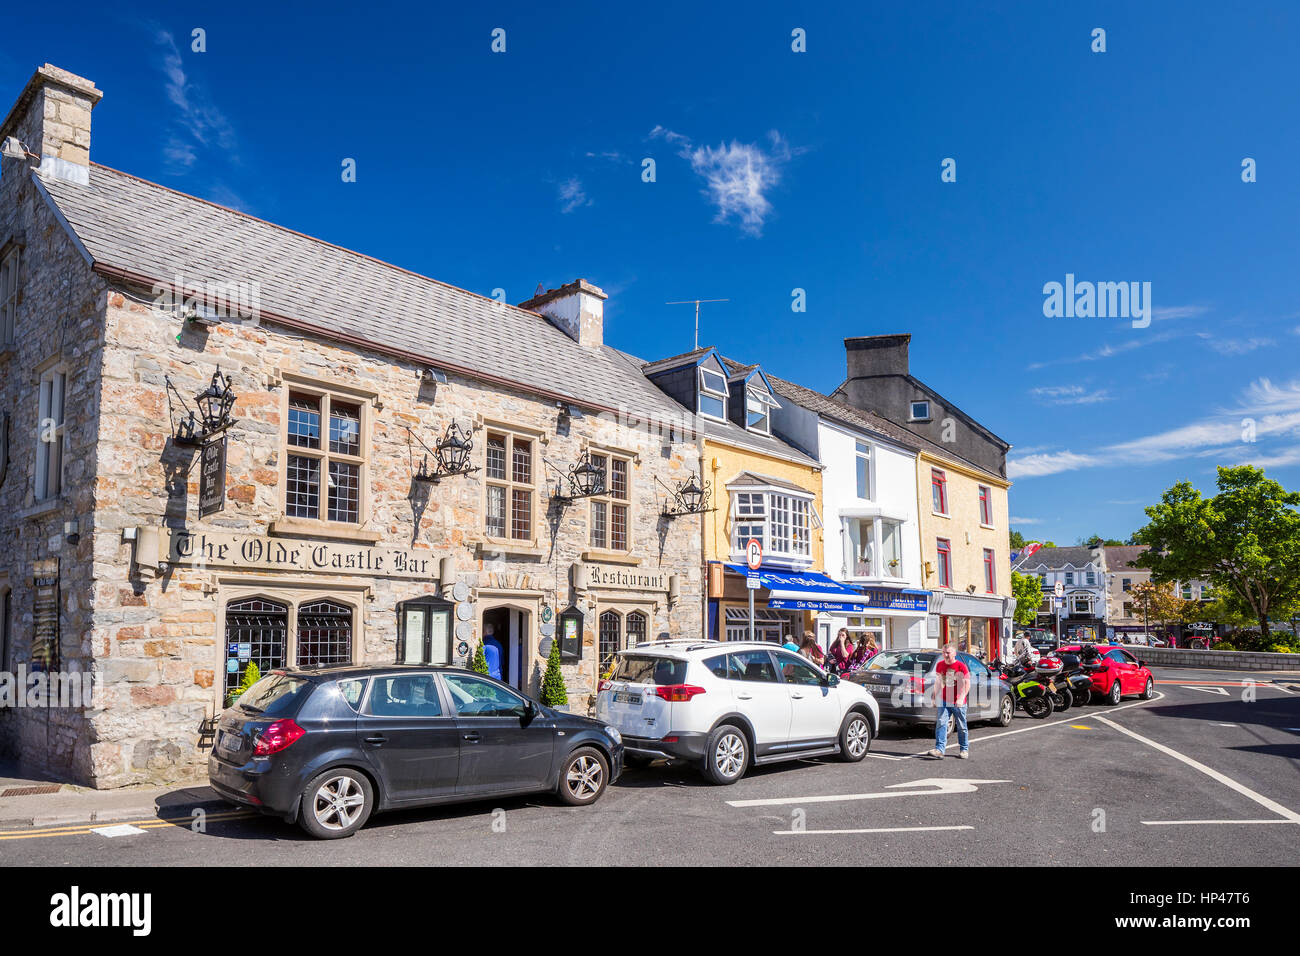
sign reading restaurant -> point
(632, 579)
(255, 552)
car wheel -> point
(726, 755)
(1149, 690)
(1116, 693)
(583, 778)
(336, 804)
(855, 738)
(1005, 711)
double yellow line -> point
(152, 823)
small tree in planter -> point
(553, 692)
(479, 664)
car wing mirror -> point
(831, 680)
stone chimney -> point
(877, 355)
(577, 309)
(51, 121)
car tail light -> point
(678, 693)
(277, 737)
(601, 686)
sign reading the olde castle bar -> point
(631, 579)
(256, 552)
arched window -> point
(636, 627)
(611, 627)
(264, 627)
(324, 634)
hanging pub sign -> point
(570, 634)
(212, 477)
(45, 615)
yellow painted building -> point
(965, 552)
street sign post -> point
(1060, 599)
(754, 558)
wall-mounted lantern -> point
(690, 497)
(213, 418)
(584, 479)
(450, 454)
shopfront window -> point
(272, 634)
(324, 634)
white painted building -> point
(871, 531)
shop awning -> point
(814, 591)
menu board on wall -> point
(45, 615)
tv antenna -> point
(696, 302)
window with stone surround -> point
(8, 297)
(609, 511)
(299, 631)
(510, 478)
(324, 448)
(50, 434)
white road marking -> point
(941, 786)
(122, 829)
(1176, 823)
(1208, 690)
(1210, 772)
(1225, 725)
(874, 830)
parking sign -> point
(754, 553)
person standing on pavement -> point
(790, 645)
(841, 651)
(811, 649)
(953, 684)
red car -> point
(1123, 675)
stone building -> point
(300, 534)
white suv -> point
(725, 706)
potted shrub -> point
(553, 692)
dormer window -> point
(713, 394)
(920, 412)
(758, 411)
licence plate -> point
(881, 689)
(229, 741)
(623, 697)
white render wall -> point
(893, 488)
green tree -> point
(1245, 541)
(1017, 541)
(553, 692)
(479, 664)
(251, 676)
(1028, 592)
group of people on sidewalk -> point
(844, 654)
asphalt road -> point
(1207, 774)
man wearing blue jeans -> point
(953, 686)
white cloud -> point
(1273, 410)
(200, 122)
(738, 177)
(1179, 312)
(1239, 346)
(1106, 351)
(1070, 395)
(572, 195)
(1035, 466)
(1026, 520)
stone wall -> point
(158, 641)
(58, 321)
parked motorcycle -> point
(1077, 673)
(1030, 693)
(1049, 668)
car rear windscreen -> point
(649, 670)
(902, 660)
(275, 695)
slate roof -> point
(1119, 556)
(132, 224)
(1056, 558)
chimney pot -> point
(51, 118)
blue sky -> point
(777, 171)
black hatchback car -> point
(329, 747)
(902, 682)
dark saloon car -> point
(902, 681)
(329, 747)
